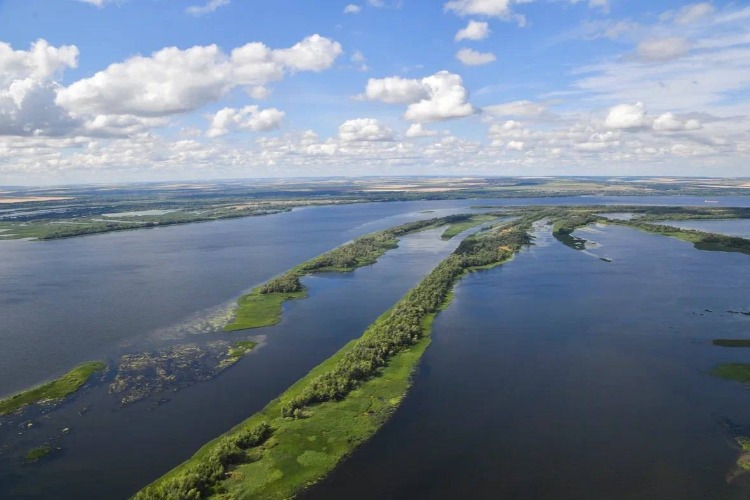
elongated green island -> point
(53, 390)
(566, 220)
(264, 304)
(299, 437)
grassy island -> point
(299, 437)
(700, 239)
(459, 227)
(36, 454)
(54, 390)
(264, 304)
(739, 372)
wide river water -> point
(561, 376)
(97, 297)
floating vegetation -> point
(142, 375)
(36, 454)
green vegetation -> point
(459, 227)
(241, 348)
(263, 305)
(739, 372)
(566, 220)
(37, 453)
(743, 442)
(256, 310)
(571, 219)
(86, 221)
(97, 209)
(689, 213)
(700, 239)
(340, 403)
(731, 342)
(56, 389)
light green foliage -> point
(700, 239)
(241, 348)
(263, 305)
(56, 389)
(343, 401)
(459, 227)
(256, 310)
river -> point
(561, 376)
(97, 297)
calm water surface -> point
(97, 297)
(111, 451)
(731, 227)
(560, 376)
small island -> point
(55, 390)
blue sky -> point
(98, 90)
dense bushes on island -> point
(403, 325)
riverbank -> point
(459, 227)
(56, 389)
(341, 403)
(701, 240)
(263, 306)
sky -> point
(149, 90)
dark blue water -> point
(96, 297)
(67, 301)
(559, 376)
(128, 447)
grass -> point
(256, 309)
(701, 240)
(739, 372)
(302, 451)
(459, 227)
(54, 390)
(37, 453)
(241, 348)
(731, 342)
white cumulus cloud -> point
(475, 30)
(28, 90)
(516, 108)
(395, 90)
(491, 8)
(248, 118)
(364, 130)
(172, 80)
(352, 9)
(627, 116)
(446, 98)
(418, 130)
(670, 123)
(471, 57)
(438, 97)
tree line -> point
(363, 251)
(403, 326)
